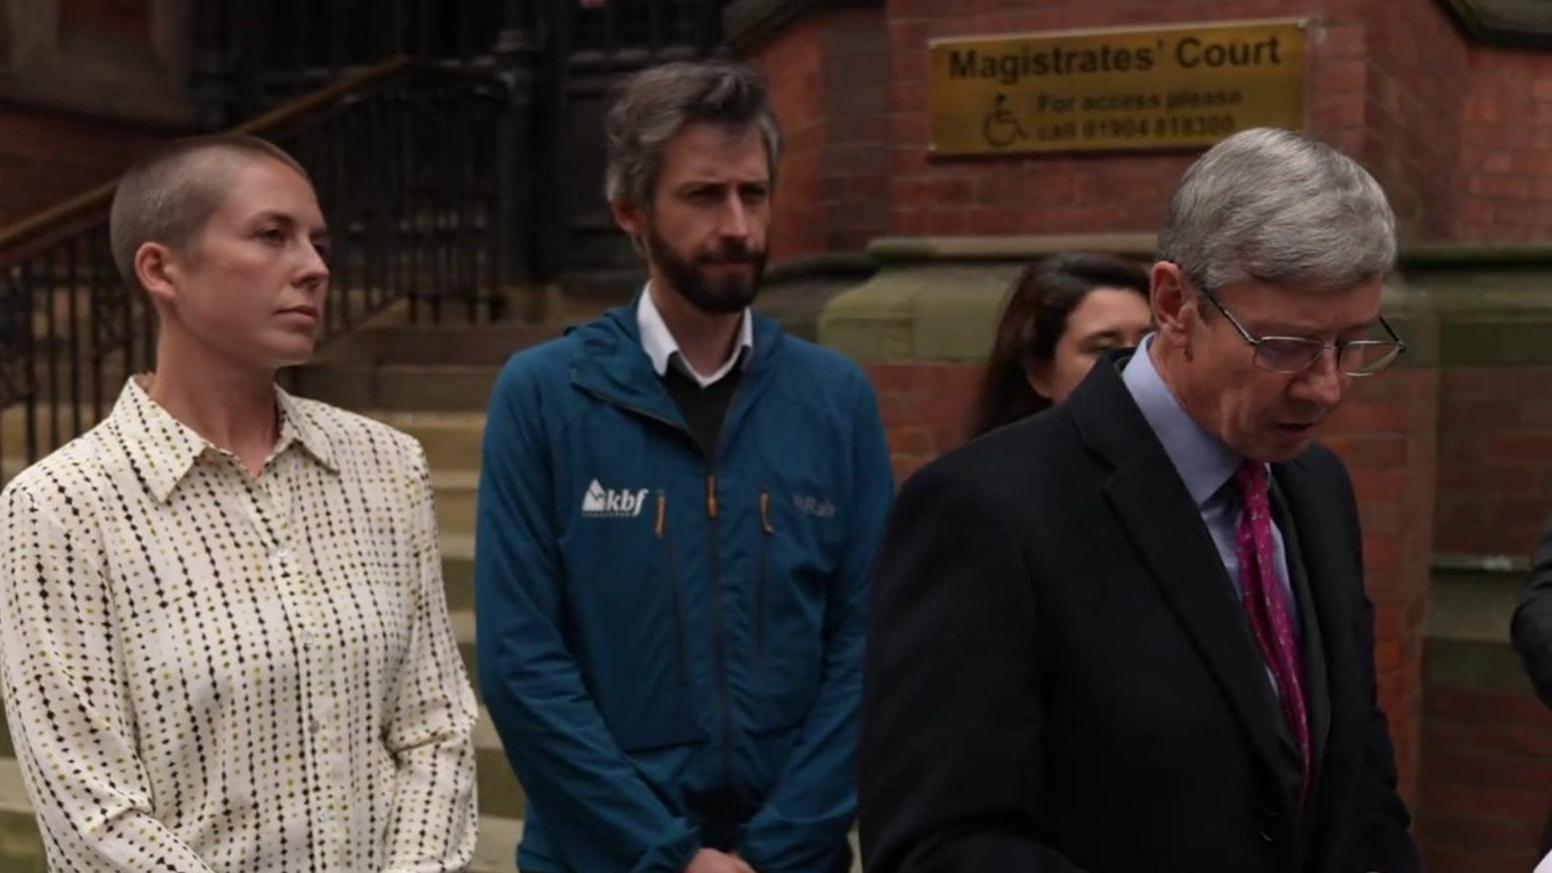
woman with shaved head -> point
(225, 643)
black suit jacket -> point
(1061, 678)
(1532, 627)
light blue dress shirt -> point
(1205, 464)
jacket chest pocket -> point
(794, 571)
(627, 626)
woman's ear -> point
(157, 270)
(1039, 379)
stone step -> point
(53, 434)
(451, 439)
(436, 345)
(399, 387)
(21, 851)
(462, 621)
(455, 493)
(10, 465)
(458, 570)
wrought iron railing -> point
(445, 179)
(250, 56)
(406, 160)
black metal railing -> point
(404, 158)
(651, 28)
(251, 56)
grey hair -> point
(168, 197)
(1281, 208)
(656, 103)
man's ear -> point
(1174, 303)
(157, 268)
(631, 219)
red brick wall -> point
(926, 409)
(1487, 780)
(1387, 435)
(828, 76)
(1414, 61)
(1505, 170)
(46, 158)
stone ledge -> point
(1480, 564)
(1477, 665)
(906, 249)
(1472, 604)
(934, 312)
(939, 298)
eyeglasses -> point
(1295, 354)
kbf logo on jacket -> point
(601, 502)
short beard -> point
(730, 296)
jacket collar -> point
(165, 449)
(609, 362)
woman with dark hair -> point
(1065, 311)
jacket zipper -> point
(718, 640)
(661, 530)
(767, 530)
(716, 590)
(719, 644)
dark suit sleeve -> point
(1532, 626)
(950, 758)
(1385, 839)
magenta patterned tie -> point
(1266, 603)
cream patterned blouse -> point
(207, 671)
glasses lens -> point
(1368, 357)
(1286, 354)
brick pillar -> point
(1386, 433)
(829, 77)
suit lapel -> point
(1162, 520)
(1330, 560)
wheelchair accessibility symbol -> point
(1001, 128)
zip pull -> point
(765, 513)
(662, 513)
(711, 496)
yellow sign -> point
(1101, 90)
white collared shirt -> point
(210, 670)
(659, 343)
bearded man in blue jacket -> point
(677, 520)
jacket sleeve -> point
(1532, 626)
(597, 812)
(814, 802)
(431, 729)
(67, 701)
(950, 750)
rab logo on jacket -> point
(601, 502)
